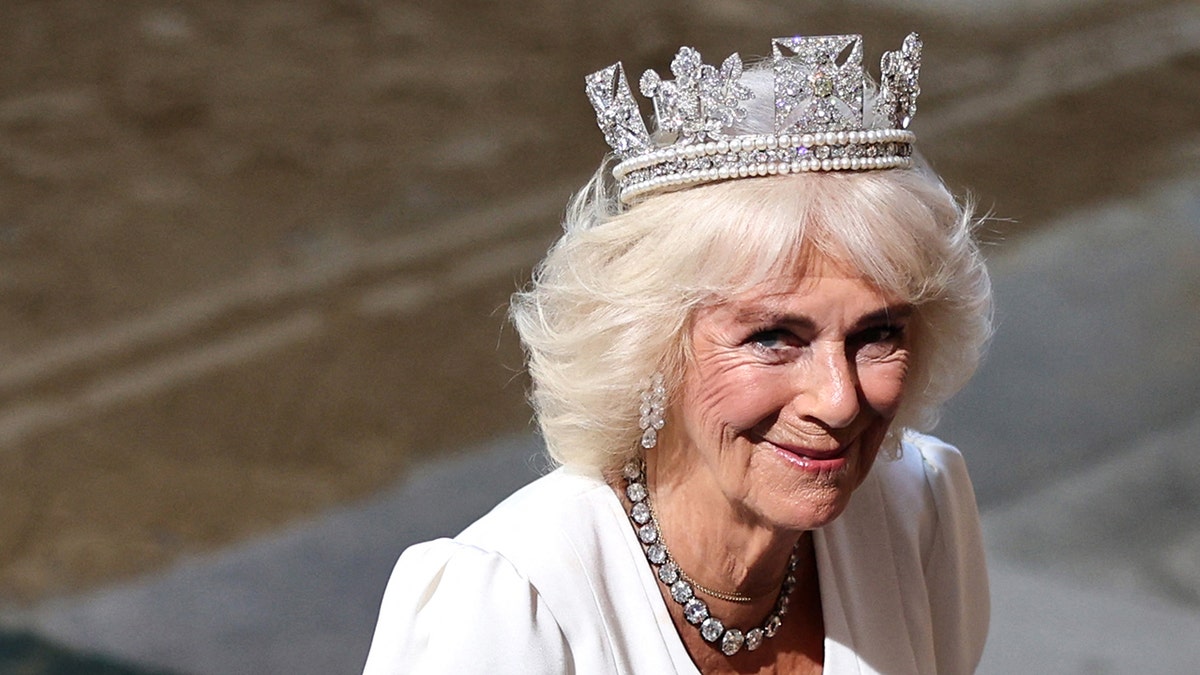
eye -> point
(774, 339)
(878, 341)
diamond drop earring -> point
(654, 400)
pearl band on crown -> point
(819, 120)
(768, 155)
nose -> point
(829, 395)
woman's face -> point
(789, 394)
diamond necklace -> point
(730, 641)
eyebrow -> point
(897, 312)
(763, 315)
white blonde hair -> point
(612, 301)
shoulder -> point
(451, 607)
(941, 463)
(494, 598)
(539, 511)
(938, 472)
(923, 455)
(926, 493)
(551, 529)
(927, 475)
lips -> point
(811, 453)
(817, 461)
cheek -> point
(883, 387)
(729, 401)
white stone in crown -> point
(819, 122)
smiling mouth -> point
(818, 454)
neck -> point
(720, 546)
(799, 575)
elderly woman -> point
(732, 348)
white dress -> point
(554, 580)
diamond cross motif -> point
(617, 112)
(818, 83)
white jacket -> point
(553, 580)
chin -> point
(817, 511)
(806, 495)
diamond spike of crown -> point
(819, 121)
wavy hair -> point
(612, 301)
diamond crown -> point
(819, 121)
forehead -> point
(829, 295)
(812, 274)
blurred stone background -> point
(255, 256)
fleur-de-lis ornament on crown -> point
(820, 123)
(701, 101)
